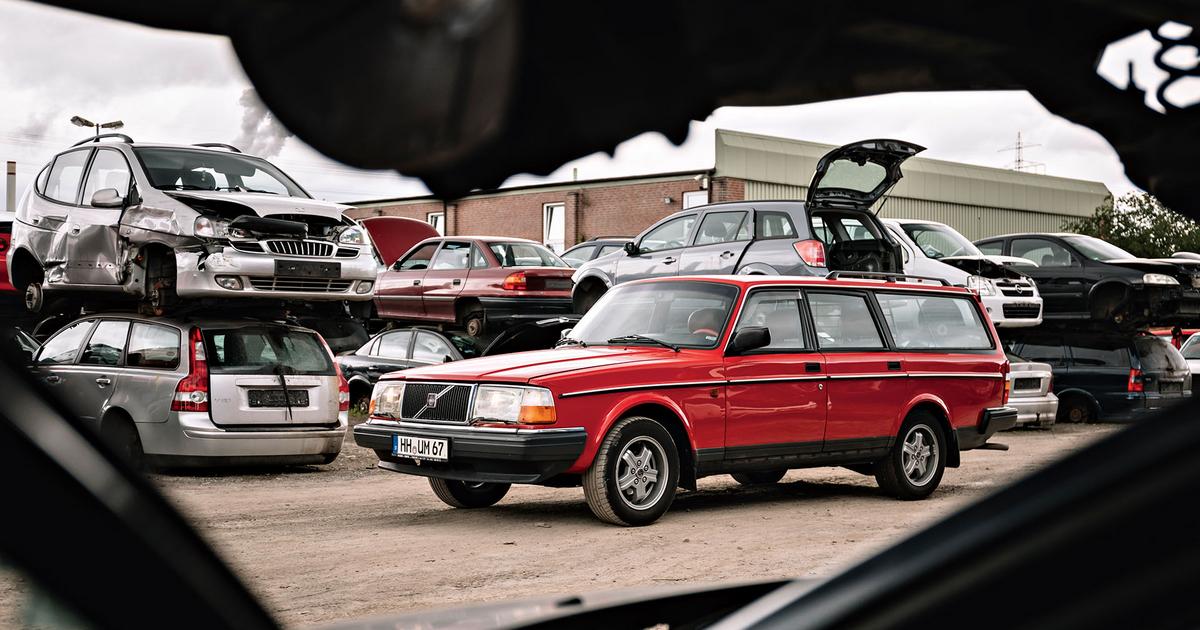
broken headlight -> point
(351, 236)
(982, 286)
(208, 227)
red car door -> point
(398, 295)
(776, 396)
(867, 383)
(445, 279)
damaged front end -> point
(240, 251)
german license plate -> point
(305, 269)
(431, 449)
(274, 398)
(558, 284)
(1170, 388)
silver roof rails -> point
(889, 277)
(217, 145)
(98, 138)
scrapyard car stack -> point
(169, 226)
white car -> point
(1191, 353)
(936, 250)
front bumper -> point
(196, 277)
(1013, 312)
(491, 454)
(191, 438)
(1039, 410)
(991, 421)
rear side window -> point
(452, 256)
(525, 255)
(929, 321)
(844, 321)
(153, 346)
(778, 312)
(1053, 354)
(723, 227)
(994, 248)
(773, 225)
(255, 350)
(579, 255)
(1100, 357)
(431, 348)
(394, 345)
(65, 176)
(106, 345)
(63, 347)
(418, 259)
(1158, 354)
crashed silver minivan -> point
(163, 224)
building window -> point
(438, 221)
(695, 198)
(554, 226)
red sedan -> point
(669, 380)
(474, 282)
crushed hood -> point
(985, 266)
(264, 205)
(1146, 265)
(526, 366)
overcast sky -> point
(184, 88)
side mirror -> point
(632, 249)
(396, 266)
(750, 338)
(107, 198)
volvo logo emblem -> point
(431, 400)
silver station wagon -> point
(161, 224)
(180, 392)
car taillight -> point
(3, 243)
(1007, 390)
(515, 281)
(812, 252)
(1135, 381)
(343, 389)
(191, 394)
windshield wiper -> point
(632, 338)
(185, 187)
(568, 341)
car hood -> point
(265, 205)
(856, 175)
(539, 335)
(1146, 265)
(986, 266)
(394, 236)
(528, 366)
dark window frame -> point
(806, 322)
(974, 305)
(124, 346)
(86, 203)
(746, 214)
(885, 335)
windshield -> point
(190, 169)
(1097, 249)
(939, 241)
(688, 314)
(525, 255)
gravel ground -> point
(348, 540)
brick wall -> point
(728, 189)
(620, 208)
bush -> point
(1141, 225)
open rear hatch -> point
(856, 175)
(269, 376)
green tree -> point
(1141, 225)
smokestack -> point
(11, 187)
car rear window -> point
(929, 321)
(1158, 354)
(773, 225)
(525, 255)
(266, 350)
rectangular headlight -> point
(1158, 278)
(386, 400)
(514, 404)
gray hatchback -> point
(832, 230)
(182, 392)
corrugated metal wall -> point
(974, 222)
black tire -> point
(921, 431)
(759, 477)
(1076, 409)
(650, 449)
(121, 434)
(466, 494)
(474, 324)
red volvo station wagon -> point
(669, 380)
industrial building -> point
(976, 200)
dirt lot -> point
(348, 540)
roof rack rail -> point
(102, 136)
(217, 145)
(890, 277)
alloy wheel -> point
(919, 456)
(641, 473)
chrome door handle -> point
(53, 379)
(726, 254)
(416, 283)
(104, 381)
(669, 260)
(457, 281)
